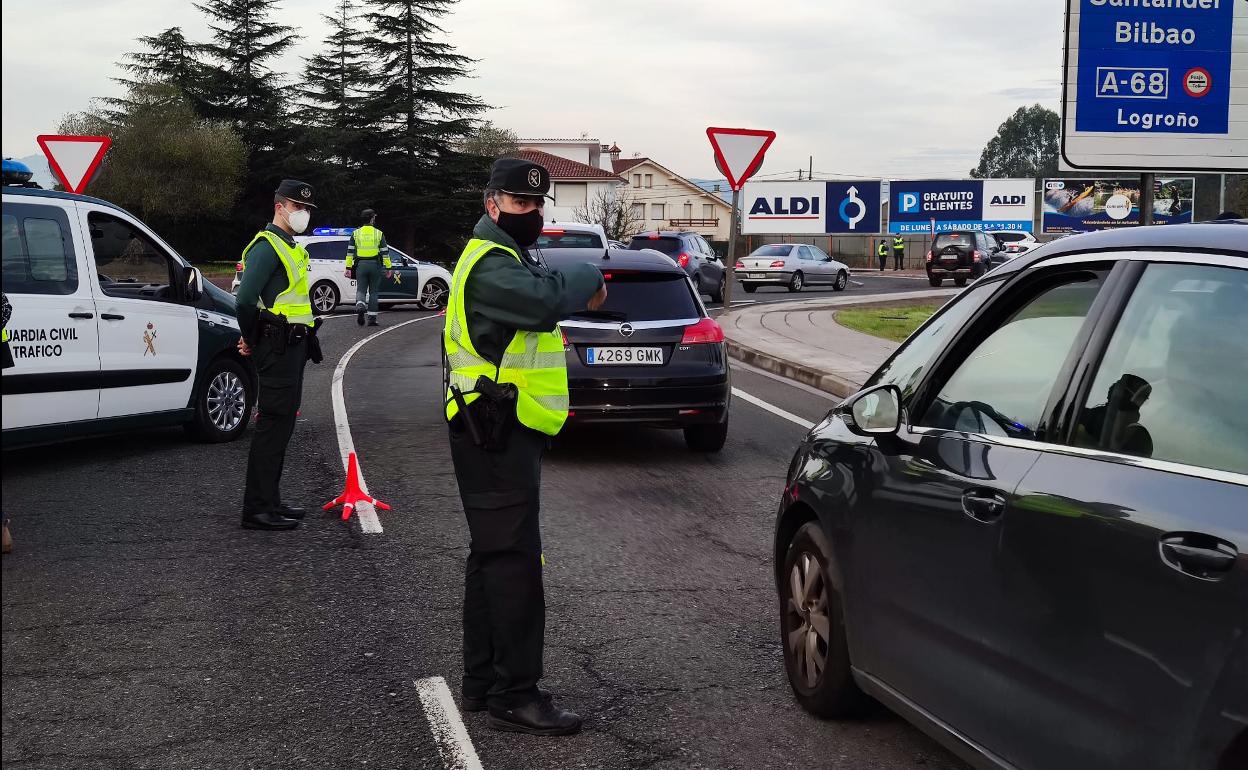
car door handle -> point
(1197, 554)
(112, 317)
(983, 505)
(82, 315)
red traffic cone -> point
(353, 494)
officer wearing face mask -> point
(279, 334)
(507, 394)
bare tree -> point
(613, 209)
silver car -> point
(793, 265)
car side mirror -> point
(193, 283)
(874, 412)
(828, 259)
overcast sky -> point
(889, 88)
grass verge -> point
(891, 323)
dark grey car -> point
(1028, 532)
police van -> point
(106, 328)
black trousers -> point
(281, 392)
(504, 601)
(899, 260)
(883, 262)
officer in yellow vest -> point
(899, 252)
(507, 393)
(275, 317)
(367, 245)
(881, 251)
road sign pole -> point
(1146, 198)
(1221, 195)
(731, 260)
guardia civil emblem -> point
(149, 339)
(535, 178)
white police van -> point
(109, 329)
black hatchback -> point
(1028, 533)
(651, 355)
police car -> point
(412, 281)
(107, 328)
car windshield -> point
(645, 296)
(953, 239)
(568, 240)
(668, 245)
(775, 250)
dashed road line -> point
(761, 404)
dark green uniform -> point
(504, 603)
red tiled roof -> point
(620, 166)
(562, 168)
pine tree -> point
(334, 82)
(170, 59)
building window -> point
(688, 212)
(649, 180)
(656, 211)
(636, 180)
(570, 195)
(639, 211)
(708, 211)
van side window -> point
(336, 250)
(38, 251)
(129, 263)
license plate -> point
(624, 356)
(755, 275)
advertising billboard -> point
(1083, 205)
(961, 204)
(811, 208)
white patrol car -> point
(108, 328)
(413, 281)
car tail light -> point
(778, 263)
(683, 259)
(704, 331)
(238, 268)
(975, 256)
(552, 231)
(653, 236)
(740, 265)
(931, 255)
(564, 333)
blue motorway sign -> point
(1154, 66)
(960, 204)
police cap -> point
(519, 177)
(299, 192)
(367, 214)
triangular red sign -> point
(74, 159)
(739, 151)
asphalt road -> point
(143, 629)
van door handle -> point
(1197, 554)
(112, 317)
(82, 315)
(983, 505)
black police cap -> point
(300, 192)
(367, 214)
(519, 177)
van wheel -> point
(795, 283)
(706, 438)
(324, 297)
(812, 629)
(223, 401)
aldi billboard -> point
(1083, 205)
(961, 204)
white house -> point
(663, 199)
(576, 173)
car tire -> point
(818, 668)
(959, 280)
(749, 288)
(224, 398)
(842, 280)
(796, 282)
(706, 438)
(324, 296)
(718, 294)
(433, 294)
(935, 281)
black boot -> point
(471, 704)
(541, 717)
(267, 521)
(372, 320)
(359, 314)
(290, 512)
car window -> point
(1173, 384)
(38, 251)
(128, 262)
(774, 250)
(668, 245)
(649, 296)
(912, 360)
(818, 254)
(804, 253)
(953, 239)
(335, 250)
(1010, 237)
(569, 240)
(1002, 386)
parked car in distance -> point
(793, 265)
(1015, 242)
(961, 255)
(691, 253)
(1028, 532)
(571, 235)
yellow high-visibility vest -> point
(294, 303)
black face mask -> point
(524, 228)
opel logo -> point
(626, 330)
(535, 178)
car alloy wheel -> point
(324, 298)
(795, 284)
(227, 400)
(806, 619)
(842, 280)
(433, 295)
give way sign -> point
(74, 159)
(739, 152)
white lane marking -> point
(369, 522)
(857, 283)
(761, 404)
(449, 733)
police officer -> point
(899, 252)
(881, 251)
(275, 316)
(367, 245)
(507, 394)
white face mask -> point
(299, 220)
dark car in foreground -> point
(1028, 532)
(651, 355)
(962, 255)
(692, 254)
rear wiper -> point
(605, 315)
